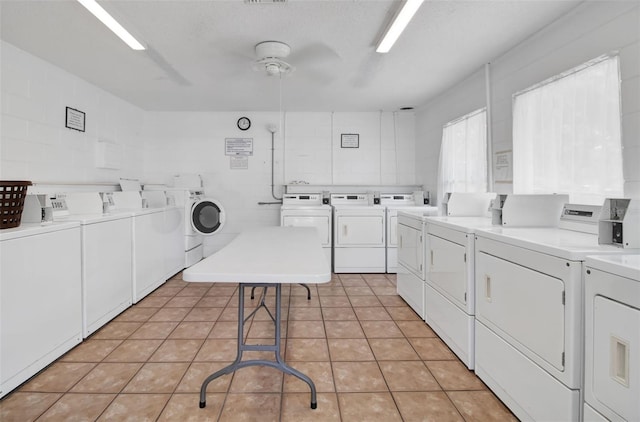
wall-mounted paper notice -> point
(238, 146)
(503, 167)
(239, 162)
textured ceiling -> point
(199, 53)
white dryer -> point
(358, 234)
(148, 242)
(529, 311)
(449, 299)
(40, 298)
(612, 338)
(394, 202)
(308, 210)
(106, 241)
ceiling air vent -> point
(265, 1)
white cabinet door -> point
(360, 230)
(410, 251)
(447, 270)
(616, 351)
(526, 305)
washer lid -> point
(207, 216)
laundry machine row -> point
(529, 312)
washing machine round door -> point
(207, 216)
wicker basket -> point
(12, 194)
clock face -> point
(244, 123)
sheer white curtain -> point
(463, 155)
(566, 135)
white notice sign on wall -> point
(239, 162)
(238, 146)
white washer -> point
(308, 210)
(529, 313)
(358, 234)
(202, 217)
(106, 257)
(394, 202)
(449, 299)
(148, 243)
(40, 298)
(612, 338)
(411, 260)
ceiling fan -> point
(270, 55)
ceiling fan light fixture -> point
(109, 21)
(272, 69)
(400, 22)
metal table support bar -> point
(242, 347)
(302, 284)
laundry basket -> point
(12, 194)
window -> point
(463, 155)
(566, 134)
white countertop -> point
(266, 255)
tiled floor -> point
(370, 356)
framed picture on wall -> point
(74, 119)
(350, 140)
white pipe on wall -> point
(487, 85)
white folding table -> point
(265, 257)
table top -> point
(266, 255)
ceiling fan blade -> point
(368, 70)
(315, 54)
(171, 71)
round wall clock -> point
(244, 123)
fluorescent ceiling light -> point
(111, 23)
(400, 22)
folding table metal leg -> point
(242, 347)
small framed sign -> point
(350, 140)
(75, 119)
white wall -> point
(590, 30)
(308, 150)
(35, 144)
(313, 150)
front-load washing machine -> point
(202, 217)
(358, 234)
(308, 210)
(394, 202)
(612, 338)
